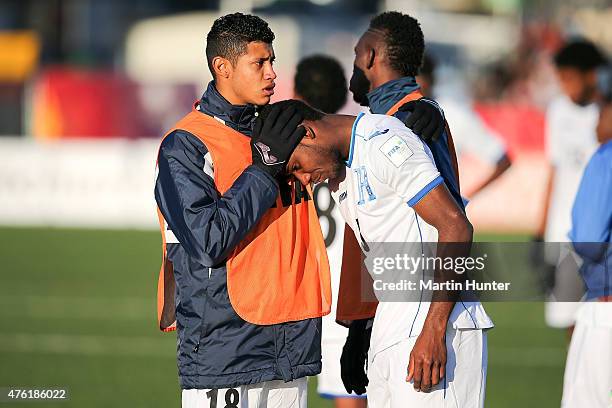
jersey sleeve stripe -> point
(430, 186)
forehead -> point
(259, 49)
(569, 71)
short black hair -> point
(320, 80)
(307, 111)
(404, 41)
(230, 35)
(580, 54)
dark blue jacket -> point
(388, 94)
(216, 348)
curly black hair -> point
(580, 54)
(321, 82)
(404, 41)
(230, 35)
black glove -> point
(275, 138)
(426, 119)
(354, 356)
(545, 272)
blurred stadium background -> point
(87, 88)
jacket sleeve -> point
(206, 224)
(592, 211)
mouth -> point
(269, 90)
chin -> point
(264, 100)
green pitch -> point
(78, 312)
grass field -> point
(78, 312)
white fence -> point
(92, 183)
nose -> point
(270, 74)
(304, 178)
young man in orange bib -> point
(245, 276)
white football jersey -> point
(570, 143)
(388, 171)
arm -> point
(453, 156)
(479, 140)
(207, 225)
(411, 173)
(428, 357)
(501, 166)
(592, 211)
(541, 227)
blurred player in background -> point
(321, 83)
(571, 120)
(388, 189)
(470, 134)
(248, 317)
(588, 372)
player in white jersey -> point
(570, 141)
(389, 190)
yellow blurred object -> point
(19, 53)
(47, 122)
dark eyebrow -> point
(264, 59)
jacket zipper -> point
(197, 346)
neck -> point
(340, 128)
(226, 91)
(383, 97)
(238, 117)
(385, 76)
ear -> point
(222, 67)
(371, 57)
(310, 133)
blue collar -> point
(238, 117)
(349, 161)
(388, 94)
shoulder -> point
(390, 142)
(380, 129)
(370, 123)
(603, 156)
(558, 105)
(180, 140)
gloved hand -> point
(426, 118)
(274, 139)
(544, 271)
(354, 356)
